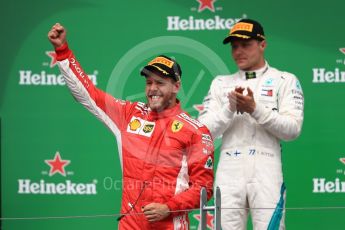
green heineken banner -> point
(58, 160)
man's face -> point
(248, 54)
(161, 92)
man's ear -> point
(263, 45)
(176, 86)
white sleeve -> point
(216, 114)
(286, 122)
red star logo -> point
(57, 165)
(203, 4)
(52, 55)
(342, 50)
(198, 108)
(342, 160)
(209, 218)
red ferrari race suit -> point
(165, 157)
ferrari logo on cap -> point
(176, 126)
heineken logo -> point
(52, 56)
(209, 219)
(322, 185)
(342, 50)
(331, 75)
(26, 186)
(53, 185)
(337, 185)
(342, 160)
(200, 23)
(322, 75)
(206, 4)
(57, 165)
(191, 23)
(48, 76)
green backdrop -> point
(113, 39)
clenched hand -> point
(57, 35)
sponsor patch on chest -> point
(267, 92)
(140, 126)
(176, 126)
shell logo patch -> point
(176, 126)
(134, 125)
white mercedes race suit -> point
(249, 172)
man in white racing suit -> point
(252, 110)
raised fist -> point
(57, 35)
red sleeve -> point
(200, 169)
(105, 107)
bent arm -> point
(216, 115)
(200, 171)
(286, 122)
(106, 108)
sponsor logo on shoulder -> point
(176, 126)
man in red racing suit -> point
(166, 156)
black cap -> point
(164, 66)
(245, 29)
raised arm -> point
(105, 107)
